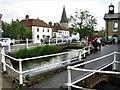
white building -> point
(59, 31)
(39, 29)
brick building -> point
(112, 24)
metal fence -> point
(20, 72)
(72, 83)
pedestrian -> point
(113, 41)
(95, 45)
(99, 43)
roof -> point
(64, 18)
(111, 16)
(55, 28)
(35, 22)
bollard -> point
(20, 72)
(27, 43)
(3, 58)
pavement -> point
(60, 78)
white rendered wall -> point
(43, 31)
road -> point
(60, 78)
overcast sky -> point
(51, 10)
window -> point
(47, 30)
(37, 29)
(115, 25)
(37, 36)
(43, 29)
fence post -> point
(27, 43)
(84, 52)
(89, 49)
(56, 40)
(69, 78)
(3, 58)
(20, 72)
(114, 64)
(9, 48)
(80, 55)
(49, 40)
(62, 39)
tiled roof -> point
(112, 16)
(55, 28)
(35, 22)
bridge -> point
(61, 78)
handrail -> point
(21, 72)
(90, 72)
(93, 60)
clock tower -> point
(111, 9)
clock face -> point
(111, 8)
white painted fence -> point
(71, 84)
(21, 72)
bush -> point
(37, 51)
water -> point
(107, 86)
(49, 60)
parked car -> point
(6, 41)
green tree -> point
(16, 30)
(83, 22)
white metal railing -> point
(71, 84)
(21, 72)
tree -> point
(83, 22)
(16, 30)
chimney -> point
(119, 7)
(26, 17)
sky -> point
(51, 10)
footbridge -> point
(81, 73)
(91, 77)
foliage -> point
(37, 51)
(16, 30)
(83, 22)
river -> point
(107, 86)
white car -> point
(6, 41)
